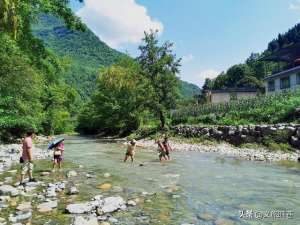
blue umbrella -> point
(55, 142)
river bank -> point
(254, 154)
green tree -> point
(160, 67)
(120, 98)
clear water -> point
(192, 184)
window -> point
(271, 85)
(285, 83)
(298, 78)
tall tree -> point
(16, 16)
(120, 98)
(160, 66)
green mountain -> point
(86, 54)
(189, 90)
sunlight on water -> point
(194, 188)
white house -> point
(226, 95)
(284, 80)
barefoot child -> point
(131, 147)
(161, 150)
(58, 155)
(167, 147)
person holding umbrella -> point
(58, 146)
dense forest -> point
(251, 73)
(33, 94)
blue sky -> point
(210, 35)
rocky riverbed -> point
(62, 196)
(257, 154)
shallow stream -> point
(192, 188)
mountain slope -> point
(189, 90)
(86, 53)
(84, 50)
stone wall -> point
(280, 133)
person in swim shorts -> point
(167, 147)
(161, 150)
(27, 158)
(131, 147)
(58, 155)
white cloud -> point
(199, 77)
(187, 58)
(118, 22)
(295, 5)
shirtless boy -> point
(131, 147)
(161, 149)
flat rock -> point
(79, 208)
(47, 206)
(112, 204)
(45, 173)
(20, 217)
(72, 173)
(24, 207)
(8, 190)
(80, 220)
(8, 180)
(224, 222)
(206, 216)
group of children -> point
(164, 149)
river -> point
(193, 188)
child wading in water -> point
(167, 147)
(131, 147)
(161, 150)
(58, 155)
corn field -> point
(263, 101)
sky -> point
(209, 35)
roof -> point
(235, 90)
(284, 73)
(288, 54)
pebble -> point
(71, 173)
(105, 186)
(131, 203)
(106, 175)
(73, 191)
